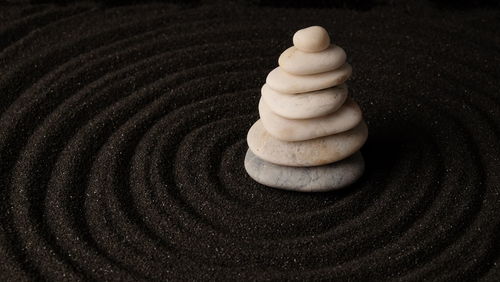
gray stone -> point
(305, 179)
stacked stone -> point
(310, 132)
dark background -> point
(122, 139)
(354, 4)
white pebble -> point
(294, 61)
(285, 82)
(347, 117)
(311, 39)
(313, 152)
(305, 105)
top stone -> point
(311, 39)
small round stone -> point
(305, 105)
(305, 179)
(288, 83)
(294, 61)
(311, 39)
(314, 152)
(347, 117)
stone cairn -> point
(309, 132)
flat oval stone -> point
(311, 39)
(347, 117)
(294, 61)
(314, 152)
(305, 105)
(288, 83)
(305, 179)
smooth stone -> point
(305, 179)
(294, 61)
(305, 105)
(288, 83)
(314, 152)
(347, 117)
(311, 39)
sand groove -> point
(122, 138)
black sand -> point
(122, 138)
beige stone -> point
(347, 117)
(294, 61)
(305, 105)
(311, 39)
(314, 152)
(284, 82)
